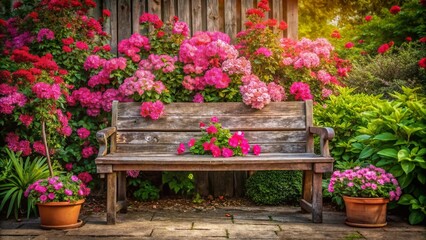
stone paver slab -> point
(384, 235)
(319, 235)
(188, 234)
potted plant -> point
(59, 200)
(366, 192)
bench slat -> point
(233, 123)
(131, 109)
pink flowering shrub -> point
(212, 66)
(219, 142)
(65, 188)
(366, 182)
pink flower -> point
(45, 33)
(83, 133)
(206, 146)
(422, 63)
(82, 45)
(211, 129)
(276, 92)
(133, 173)
(349, 45)
(301, 91)
(74, 178)
(226, 152)
(368, 18)
(191, 142)
(51, 196)
(215, 150)
(43, 198)
(256, 149)
(68, 192)
(85, 177)
(214, 120)
(263, 51)
(198, 98)
(68, 167)
(181, 149)
(383, 48)
(26, 119)
(152, 109)
(202, 125)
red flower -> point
(160, 34)
(283, 25)
(422, 63)
(423, 2)
(106, 48)
(33, 15)
(264, 5)
(68, 41)
(423, 39)
(336, 34)
(255, 11)
(395, 9)
(391, 43)
(17, 5)
(408, 39)
(368, 18)
(383, 48)
(66, 49)
(106, 13)
(271, 22)
(3, 22)
(181, 149)
(349, 45)
(361, 41)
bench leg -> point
(121, 191)
(307, 189)
(111, 198)
(317, 198)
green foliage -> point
(146, 191)
(344, 113)
(22, 174)
(386, 73)
(395, 139)
(274, 187)
(179, 182)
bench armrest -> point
(325, 134)
(102, 137)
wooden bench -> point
(283, 130)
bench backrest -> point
(279, 127)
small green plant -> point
(22, 174)
(274, 187)
(146, 191)
(394, 139)
(197, 199)
(180, 182)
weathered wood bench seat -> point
(283, 130)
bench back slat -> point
(279, 127)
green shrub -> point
(395, 139)
(22, 173)
(274, 187)
(344, 113)
(145, 190)
(386, 73)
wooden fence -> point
(201, 15)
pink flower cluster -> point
(255, 93)
(45, 33)
(15, 144)
(165, 63)
(141, 82)
(108, 66)
(154, 110)
(210, 61)
(301, 91)
(83, 133)
(95, 101)
(365, 182)
(11, 99)
(45, 90)
(132, 46)
(180, 28)
(219, 142)
(88, 151)
(85, 177)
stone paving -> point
(223, 223)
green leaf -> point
(403, 154)
(385, 137)
(366, 152)
(416, 217)
(405, 199)
(405, 180)
(389, 152)
(421, 178)
(407, 166)
(362, 137)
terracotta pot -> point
(60, 215)
(365, 212)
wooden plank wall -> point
(201, 15)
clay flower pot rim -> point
(363, 199)
(81, 201)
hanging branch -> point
(43, 132)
